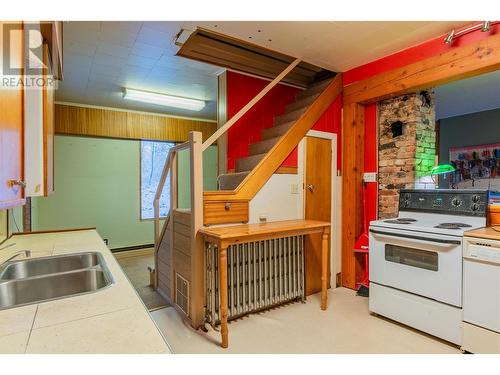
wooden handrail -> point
(161, 185)
(224, 128)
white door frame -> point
(336, 194)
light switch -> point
(370, 176)
(294, 188)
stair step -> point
(290, 116)
(314, 89)
(231, 181)
(263, 147)
(306, 101)
(248, 163)
(276, 131)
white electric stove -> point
(416, 259)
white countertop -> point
(112, 320)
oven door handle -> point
(420, 238)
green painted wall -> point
(97, 185)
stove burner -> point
(407, 219)
(452, 225)
(400, 221)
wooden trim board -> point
(99, 122)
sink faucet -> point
(27, 254)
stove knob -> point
(475, 207)
(407, 196)
(456, 202)
(476, 198)
(406, 204)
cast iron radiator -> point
(260, 274)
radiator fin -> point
(260, 275)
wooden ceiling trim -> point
(461, 62)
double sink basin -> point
(35, 280)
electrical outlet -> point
(106, 241)
(294, 188)
(262, 218)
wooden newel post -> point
(324, 268)
(223, 295)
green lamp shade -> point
(442, 169)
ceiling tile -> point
(140, 61)
(104, 69)
(80, 48)
(122, 38)
(113, 49)
(131, 27)
(154, 37)
(147, 50)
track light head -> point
(486, 26)
(449, 38)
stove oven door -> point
(425, 264)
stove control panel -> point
(446, 201)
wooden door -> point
(318, 203)
(11, 121)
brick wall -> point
(407, 146)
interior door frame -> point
(459, 62)
(335, 214)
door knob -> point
(310, 187)
(17, 183)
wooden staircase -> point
(179, 248)
(229, 204)
(271, 136)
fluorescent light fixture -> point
(163, 99)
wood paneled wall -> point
(101, 122)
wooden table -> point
(223, 237)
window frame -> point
(140, 177)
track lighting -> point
(483, 26)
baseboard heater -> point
(261, 275)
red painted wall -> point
(241, 89)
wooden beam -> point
(460, 62)
(102, 122)
(224, 128)
(352, 210)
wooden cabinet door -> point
(318, 193)
(11, 122)
(48, 123)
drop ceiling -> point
(101, 58)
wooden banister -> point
(280, 151)
(224, 128)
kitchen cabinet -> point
(39, 130)
(11, 119)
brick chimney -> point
(407, 146)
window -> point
(428, 260)
(153, 157)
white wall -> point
(275, 200)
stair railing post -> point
(197, 253)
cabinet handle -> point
(227, 206)
(17, 183)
